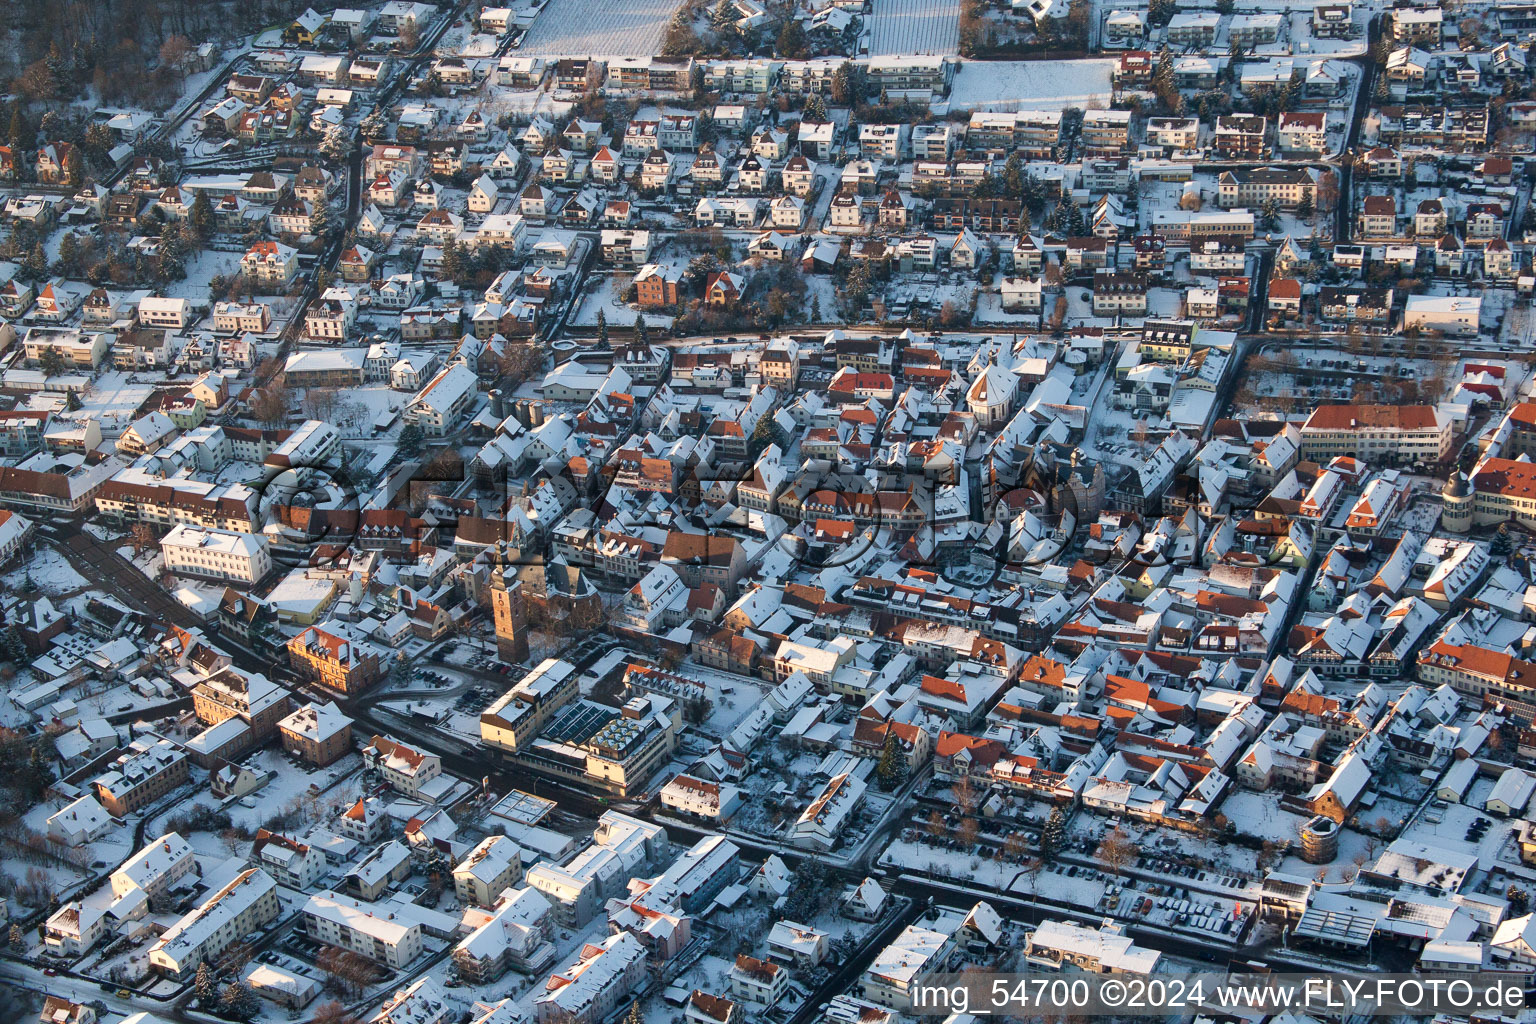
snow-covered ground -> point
(903, 27)
(598, 28)
(621, 316)
(49, 570)
(1032, 85)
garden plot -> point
(907, 27)
(598, 28)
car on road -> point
(50, 972)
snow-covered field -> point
(598, 28)
(49, 570)
(1032, 85)
(901, 27)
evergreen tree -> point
(171, 259)
(60, 70)
(21, 135)
(336, 144)
(845, 85)
(18, 939)
(1054, 835)
(374, 125)
(98, 140)
(815, 309)
(815, 108)
(1519, 900)
(634, 1016)
(453, 261)
(13, 647)
(34, 266)
(411, 440)
(1269, 213)
(891, 771)
(642, 336)
(792, 42)
(206, 986)
(238, 1001)
(1013, 176)
(39, 771)
(68, 263)
(602, 329)
(320, 220)
(201, 215)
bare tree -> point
(966, 797)
(174, 53)
(333, 1012)
(1115, 850)
(321, 403)
(142, 536)
(270, 405)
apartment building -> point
(229, 693)
(245, 905)
(446, 397)
(492, 867)
(594, 983)
(141, 776)
(1176, 133)
(1105, 133)
(163, 865)
(1302, 131)
(270, 265)
(515, 717)
(757, 983)
(908, 962)
(317, 733)
(1288, 187)
(216, 554)
(336, 661)
(1376, 433)
(290, 862)
(621, 848)
(79, 349)
(700, 798)
(402, 768)
(375, 931)
(1239, 136)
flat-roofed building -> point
(1056, 945)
